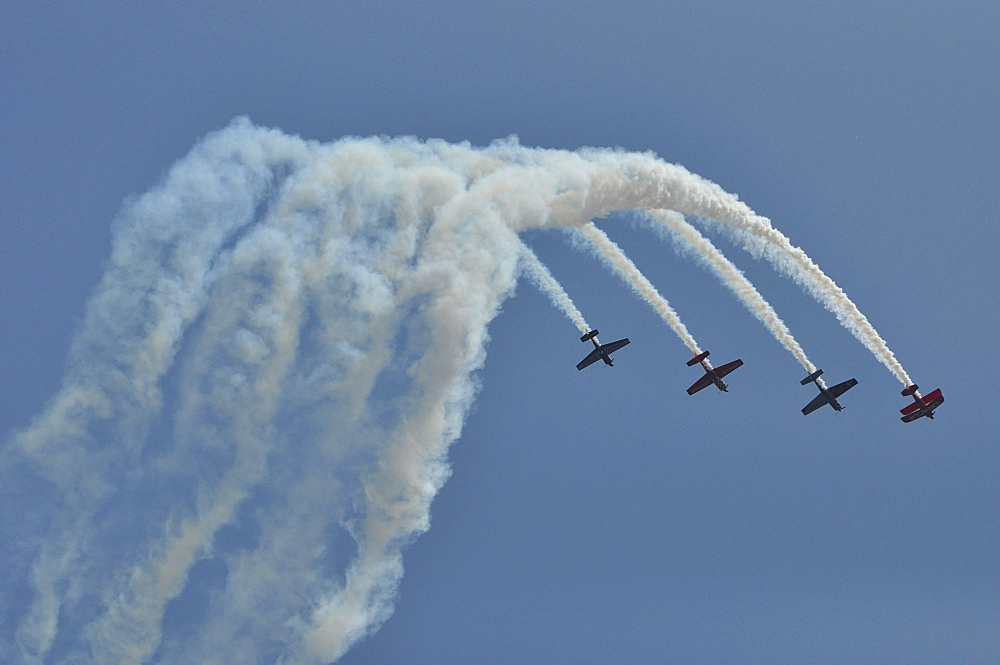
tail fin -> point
(697, 359)
(909, 390)
(592, 334)
(812, 377)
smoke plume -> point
(258, 405)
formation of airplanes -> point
(922, 406)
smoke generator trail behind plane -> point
(283, 346)
(547, 284)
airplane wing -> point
(922, 410)
(937, 399)
(842, 388)
(591, 358)
(700, 384)
(931, 401)
(611, 347)
(818, 401)
(722, 370)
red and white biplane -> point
(923, 405)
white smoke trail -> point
(762, 240)
(266, 384)
(733, 278)
(160, 269)
(548, 285)
(616, 180)
(615, 258)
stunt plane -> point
(601, 351)
(712, 374)
(922, 406)
(826, 395)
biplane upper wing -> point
(935, 398)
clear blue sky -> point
(605, 515)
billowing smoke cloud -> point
(258, 405)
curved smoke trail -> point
(760, 239)
(619, 180)
(265, 385)
(732, 277)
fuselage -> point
(604, 354)
(924, 402)
(719, 383)
(922, 406)
(830, 399)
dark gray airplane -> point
(826, 395)
(601, 351)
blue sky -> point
(605, 514)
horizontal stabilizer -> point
(697, 359)
(590, 335)
(812, 377)
(909, 390)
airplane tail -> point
(697, 359)
(592, 334)
(812, 377)
(909, 390)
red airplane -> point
(712, 374)
(922, 405)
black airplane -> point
(601, 351)
(712, 374)
(826, 395)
